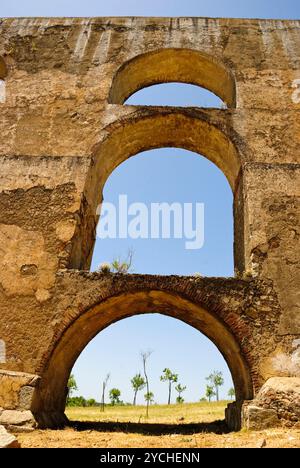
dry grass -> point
(163, 414)
(189, 425)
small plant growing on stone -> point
(105, 268)
(123, 266)
(117, 265)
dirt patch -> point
(92, 438)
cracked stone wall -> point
(64, 128)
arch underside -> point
(157, 129)
(173, 65)
(50, 397)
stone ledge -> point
(17, 420)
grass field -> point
(162, 414)
(193, 425)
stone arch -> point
(149, 129)
(173, 65)
(180, 129)
(77, 331)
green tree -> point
(91, 402)
(76, 401)
(149, 397)
(216, 380)
(71, 387)
(180, 389)
(138, 383)
(231, 393)
(171, 378)
(114, 396)
(209, 393)
(145, 356)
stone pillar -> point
(16, 393)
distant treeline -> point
(81, 401)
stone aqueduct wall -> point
(64, 129)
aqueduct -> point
(65, 128)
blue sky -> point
(161, 175)
(218, 8)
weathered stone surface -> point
(277, 403)
(16, 389)
(16, 418)
(64, 128)
(233, 415)
(7, 440)
(282, 395)
(258, 418)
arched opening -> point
(173, 65)
(131, 135)
(175, 94)
(50, 397)
(168, 178)
(171, 344)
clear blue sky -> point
(161, 175)
(218, 8)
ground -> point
(193, 425)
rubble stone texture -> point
(64, 128)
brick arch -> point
(173, 65)
(77, 329)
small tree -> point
(138, 383)
(216, 380)
(104, 384)
(171, 378)
(209, 393)
(145, 355)
(71, 386)
(180, 389)
(149, 397)
(91, 402)
(231, 393)
(114, 396)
